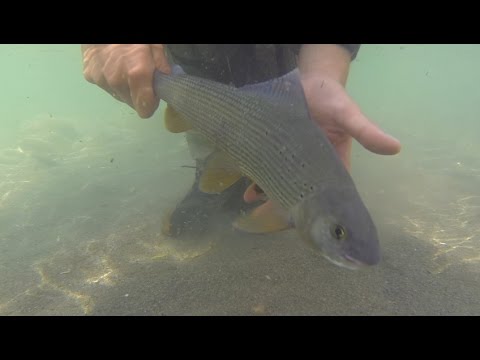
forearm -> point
(331, 59)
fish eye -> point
(338, 232)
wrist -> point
(328, 60)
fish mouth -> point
(346, 261)
(354, 261)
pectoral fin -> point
(219, 173)
(174, 122)
(267, 218)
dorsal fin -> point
(285, 92)
(284, 87)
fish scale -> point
(239, 123)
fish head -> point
(337, 223)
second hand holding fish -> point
(324, 70)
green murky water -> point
(84, 184)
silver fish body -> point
(267, 130)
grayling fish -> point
(265, 131)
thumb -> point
(370, 135)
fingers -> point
(141, 89)
(141, 81)
(126, 72)
(113, 79)
(344, 150)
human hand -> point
(324, 71)
(342, 119)
(126, 72)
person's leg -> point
(230, 64)
(195, 213)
